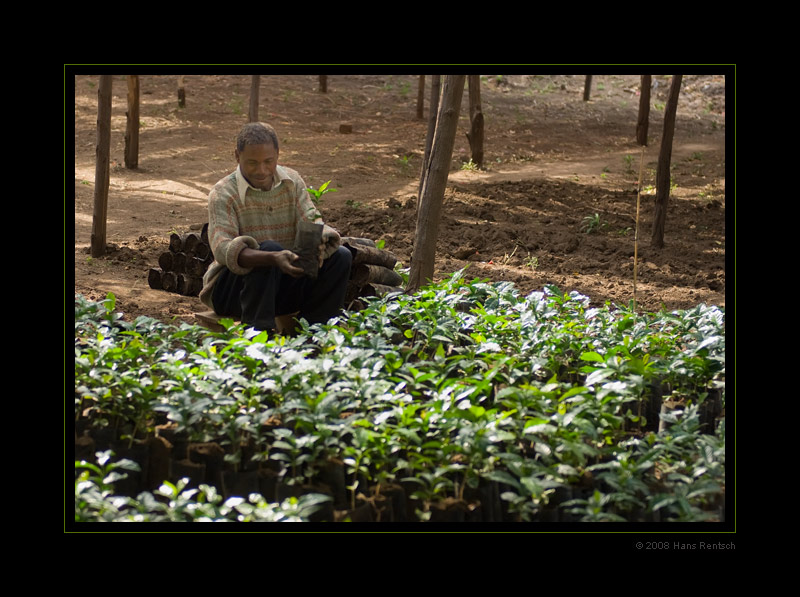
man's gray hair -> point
(256, 133)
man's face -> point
(258, 163)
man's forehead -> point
(262, 149)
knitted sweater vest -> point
(237, 222)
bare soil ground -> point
(554, 204)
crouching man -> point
(254, 213)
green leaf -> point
(282, 445)
(537, 425)
(504, 478)
(598, 375)
(575, 391)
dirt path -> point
(555, 166)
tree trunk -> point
(252, 113)
(132, 131)
(587, 88)
(430, 203)
(421, 97)
(434, 112)
(475, 134)
(181, 93)
(644, 110)
(323, 83)
(101, 172)
(664, 159)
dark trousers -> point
(256, 298)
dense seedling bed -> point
(463, 402)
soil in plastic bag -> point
(306, 246)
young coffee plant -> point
(316, 194)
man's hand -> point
(322, 253)
(330, 242)
(284, 260)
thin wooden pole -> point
(101, 173)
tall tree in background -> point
(434, 113)
(430, 202)
(664, 160)
(101, 171)
(421, 97)
(642, 123)
(181, 92)
(475, 134)
(252, 112)
(132, 125)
